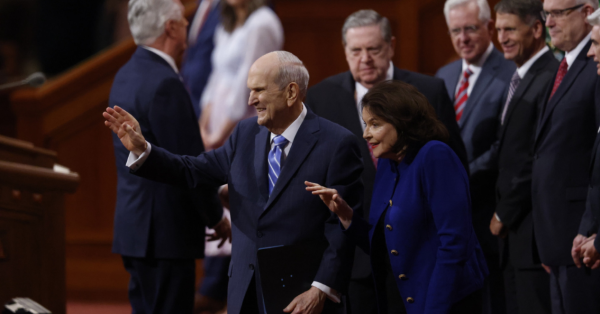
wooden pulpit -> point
(32, 224)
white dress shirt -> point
(572, 55)
(361, 91)
(134, 162)
(475, 68)
(527, 65)
(165, 56)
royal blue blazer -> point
(435, 256)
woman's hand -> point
(334, 201)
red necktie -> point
(562, 70)
(372, 156)
(462, 95)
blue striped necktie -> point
(275, 160)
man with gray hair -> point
(369, 47)
(266, 161)
(477, 84)
(158, 228)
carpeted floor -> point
(97, 308)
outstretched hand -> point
(222, 232)
(127, 129)
(334, 201)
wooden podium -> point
(32, 224)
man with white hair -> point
(158, 228)
(562, 152)
(478, 84)
(266, 162)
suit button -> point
(389, 227)
(390, 202)
(410, 300)
(259, 234)
(251, 267)
(394, 252)
(403, 277)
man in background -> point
(159, 229)
(477, 84)
(369, 48)
(522, 34)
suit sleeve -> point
(344, 175)
(174, 127)
(446, 188)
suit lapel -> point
(302, 145)
(261, 141)
(454, 79)
(487, 74)
(348, 105)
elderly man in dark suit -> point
(159, 229)
(477, 84)
(562, 151)
(522, 34)
(266, 162)
(369, 47)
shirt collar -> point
(527, 65)
(476, 67)
(165, 56)
(292, 130)
(571, 55)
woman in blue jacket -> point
(424, 253)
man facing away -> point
(159, 229)
(522, 34)
(266, 161)
(369, 48)
(477, 84)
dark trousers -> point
(158, 286)
(216, 279)
(361, 296)
(470, 304)
(527, 290)
(494, 301)
(574, 290)
(250, 304)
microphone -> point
(36, 79)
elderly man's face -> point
(567, 28)
(519, 40)
(595, 47)
(470, 36)
(368, 54)
(265, 96)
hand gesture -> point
(222, 232)
(591, 257)
(334, 201)
(310, 302)
(576, 249)
(127, 129)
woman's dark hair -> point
(228, 18)
(403, 106)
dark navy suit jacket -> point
(197, 64)
(322, 152)
(152, 219)
(428, 223)
(590, 222)
(562, 152)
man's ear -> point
(292, 93)
(170, 28)
(393, 46)
(538, 29)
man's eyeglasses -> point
(469, 30)
(559, 13)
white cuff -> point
(331, 293)
(134, 162)
(497, 217)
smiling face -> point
(595, 47)
(568, 30)
(380, 134)
(368, 54)
(519, 41)
(470, 36)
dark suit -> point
(334, 99)
(321, 152)
(562, 150)
(156, 224)
(590, 222)
(479, 128)
(197, 64)
(527, 284)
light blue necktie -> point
(274, 160)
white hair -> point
(594, 18)
(593, 3)
(147, 18)
(485, 14)
(291, 69)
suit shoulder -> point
(418, 79)
(449, 68)
(333, 129)
(335, 80)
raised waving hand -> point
(127, 129)
(333, 200)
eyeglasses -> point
(468, 30)
(559, 13)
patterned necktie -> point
(562, 70)
(461, 96)
(275, 160)
(514, 83)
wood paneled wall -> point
(65, 116)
